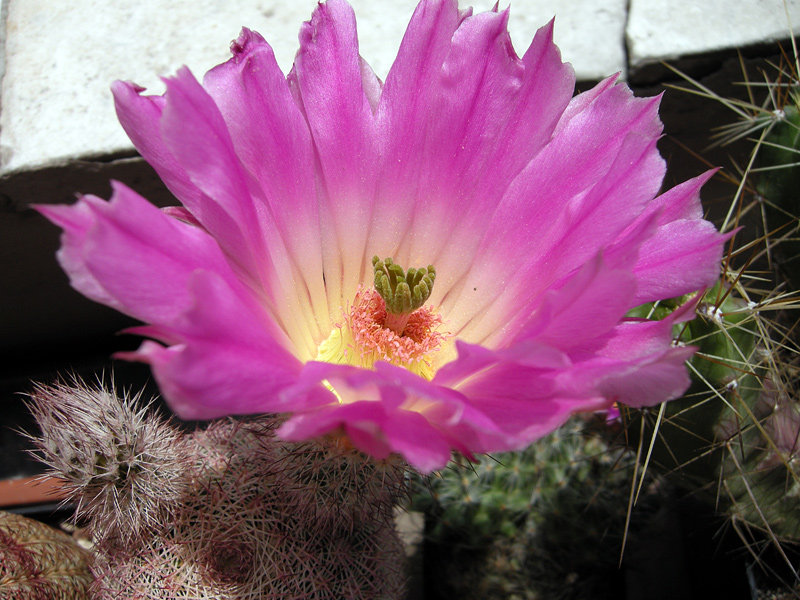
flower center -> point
(389, 323)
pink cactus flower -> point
(539, 211)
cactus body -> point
(38, 562)
(779, 185)
(121, 465)
(733, 437)
(243, 514)
(545, 522)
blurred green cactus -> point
(544, 522)
(777, 160)
(548, 522)
(495, 496)
(777, 181)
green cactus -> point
(548, 522)
(526, 524)
(243, 515)
(777, 181)
(732, 437)
(495, 496)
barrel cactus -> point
(777, 182)
(545, 522)
(733, 437)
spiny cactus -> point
(333, 485)
(492, 522)
(245, 534)
(121, 465)
(777, 182)
(495, 496)
(248, 516)
(778, 156)
(38, 562)
(733, 436)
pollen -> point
(362, 337)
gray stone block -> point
(590, 33)
(660, 30)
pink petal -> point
(272, 140)
(140, 116)
(527, 395)
(375, 429)
(77, 220)
(390, 410)
(635, 363)
(531, 388)
(129, 255)
(681, 257)
(566, 226)
(225, 359)
(193, 129)
(185, 119)
(228, 354)
(684, 253)
(360, 421)
(583, 100)
(327, 82)
(464, 116)
(643, 381)
(682, 202)
(586, 305)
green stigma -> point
(403, 292)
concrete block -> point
(659, 30)
(62, 57)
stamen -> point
(388, 323)
(362, 337)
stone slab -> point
(660, 30)
(62, 57)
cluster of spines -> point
(121, 464)
(733, 436)
(497, 495)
